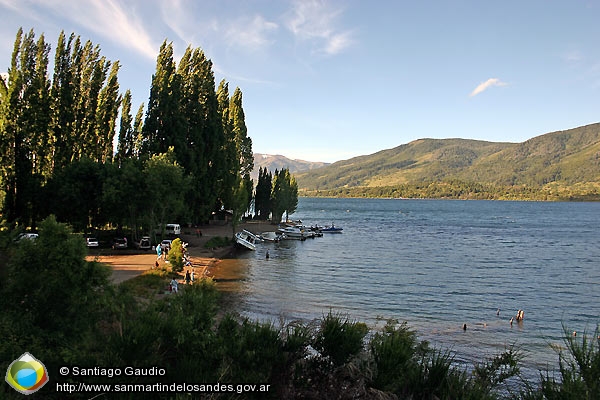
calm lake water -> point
(436, 264)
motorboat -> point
(246, 239)
(332, 229)
(270, 236)
(293, 232)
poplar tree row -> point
(48, 125)
(276, 194)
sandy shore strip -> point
(127, 264)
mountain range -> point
(564, 158)
(279, 162)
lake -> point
(437, 264)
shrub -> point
(579, 369)
(217, 241)
(339, 339)
(175, 255)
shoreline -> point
(127, 264)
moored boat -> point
(332, 229)
(246, 239)
(270, 236)
(293, 232)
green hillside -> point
(557, 165)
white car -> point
(91, 242)
(144, 243)
(30, 236)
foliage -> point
(284, 195)
(48, 127)
(339, 339)
(175, 256)
(73, 316)
(262, 197)
(579, 369)
(217, 241)
(51, 297)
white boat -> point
(293, 232)
(270, 236)
(246, 239)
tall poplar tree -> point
(242, 141)
(24, 119)
(230, 159)
(126, 141)
(163, 127)
(63, 97)
(262, 197)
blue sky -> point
(330, 80)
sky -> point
(328, 80)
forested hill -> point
(273, 162)
(566, 161)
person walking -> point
(188, 277)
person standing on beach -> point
(174, 285)
(188, 277)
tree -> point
(262, 197)
(240, 133)
(106, 116)
(51, 295)
(63, 98)
(126, 142)
(240, 203)
(163, 127)
(75, 194)
(125, 196)
(166, 187)
(24, 118)
(284, 195)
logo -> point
(26, 374)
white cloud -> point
(486, 85)
(315, 20)
(250, 33)
(112, 19)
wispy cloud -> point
(246, 32)
(317, 20)
(483, 86)
(251, 33)
(113, 19)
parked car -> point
(173, 229)
(144, 243)
(166, 245)
(30, 236)
(119, 243)
(91, 242)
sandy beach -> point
(127, 264)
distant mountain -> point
(273, 162)
(563, 158)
